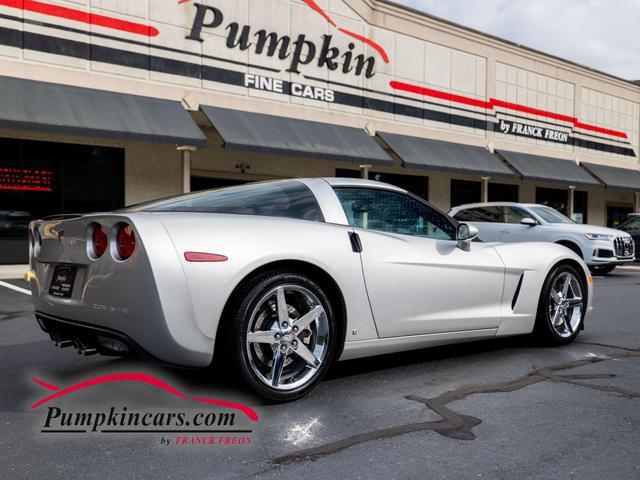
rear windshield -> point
(289, 199)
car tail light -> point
(99, 240)
(125, 241)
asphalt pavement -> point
(494, 409)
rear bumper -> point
(88, 339)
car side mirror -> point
(465, 234)
(528, 221)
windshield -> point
(633, 224)
(550, 215)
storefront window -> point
(501, 192)
(45, 178)
(464, 191)
(617, 214)
(208, 183)
(580, 201)
(553, 197)
(416, 184)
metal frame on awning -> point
(256, 132)
(63, 109)
(548, 169)
(431, 154)
(612, 177)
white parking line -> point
(13, 287)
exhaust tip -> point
(60, 342)
(113, 345)
(84, 349)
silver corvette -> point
(280, 279)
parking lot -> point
(494, 409)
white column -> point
(364, 171)
(186, 151)
(484, 189)
(637, 203)
(570, 203)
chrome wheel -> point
(565, 304)
(288, 337)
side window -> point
(393, 212)
(515, 214)
(291, 199)
(480, 214)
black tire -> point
(544, 330)
(602, 269)
(239, 319)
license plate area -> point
(62, 281)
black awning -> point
(53, 108)
(548, 169)
(287, 136)
(613, 177)
(438, 155)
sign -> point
(316, 50)
(26, 179)
(295, 51)
(276, 85)
(531, 131)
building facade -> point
(107, 103)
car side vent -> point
(515, 296)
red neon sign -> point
(26, 179)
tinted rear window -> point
(289, 199)
(480, 214)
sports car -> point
(276, 281)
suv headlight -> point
(598, 236)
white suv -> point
(601, 248)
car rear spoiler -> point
(63, 216)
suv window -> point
(514, 214)
(631, 225)
(480, 214)
(394, 212)
(291, 199)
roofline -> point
(359, 182)
(632, 83)
(490, 204)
